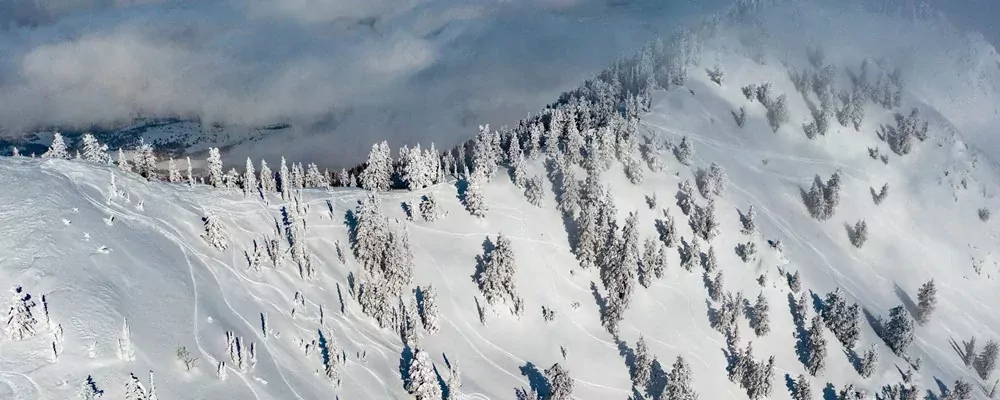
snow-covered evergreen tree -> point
(986, 362)
(534, 145)
(684, 151)
(560, 383)
(314, 178)
(898, 332)
(679, 382)
(868, 363)
(761, 321)
(685, 197)
(961, 391)
(267, 185)
(859, 234)
(703, 221)
(215, 233)
(475, 194)
(89, 390)
(429, 313)
(125, 350)
(123, 163)
(716, 287)
(284, 181)
(802, 390)
(215, 174)
(816, 361)
(534, 192)
(134, 389)
(421, 380)
(94, 151)
(249, 179)
(454, 383)
(57, 149)
(927, 302)
(795, 282)
(144, 160)
(428, 208)
(519, 176)
(20, 318)
(496, 276)
(643, 364)
(417, 171)
(190, 177)
(173, 174)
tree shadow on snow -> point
(818, 304)
(873, 321)
(829, 393)
(657, 380)
(790, 384)
(601, 303)
(905, 298)
(536, 379)
(852, 357)
(461, 187)
(628, 355)
(445, 390)
(404, 361)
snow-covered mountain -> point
(190, 267)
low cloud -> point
(344, 73)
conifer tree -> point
(679, 382)
(518, 174)
(94, 151)
(868, 363)
(123, 163)
(89, 390)
(429, 313)
(20, 319)
(643, 365)
(454, 382)
(57, 149)
(533, 191)
(927, 302)
(214, 232)
(173, 174)
(314, 178)
(421, 380)
(817, 348)
(145, 160)
(986, 362)
(125, 350)
(496, 276)
(685, 197)
(134, 390)
(898, 332)
(249, 179)
(560, 383)
(684, 151)
(267, 185)
(284, 181)
(215, 174)
(429, 208)
(475, 196)
(190, 177)
(802, 389)
(761, 316)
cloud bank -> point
(343, 73)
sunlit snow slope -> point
(150, 266)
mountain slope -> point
(151, 266)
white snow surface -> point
(175, 290)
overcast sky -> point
(345, 72)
